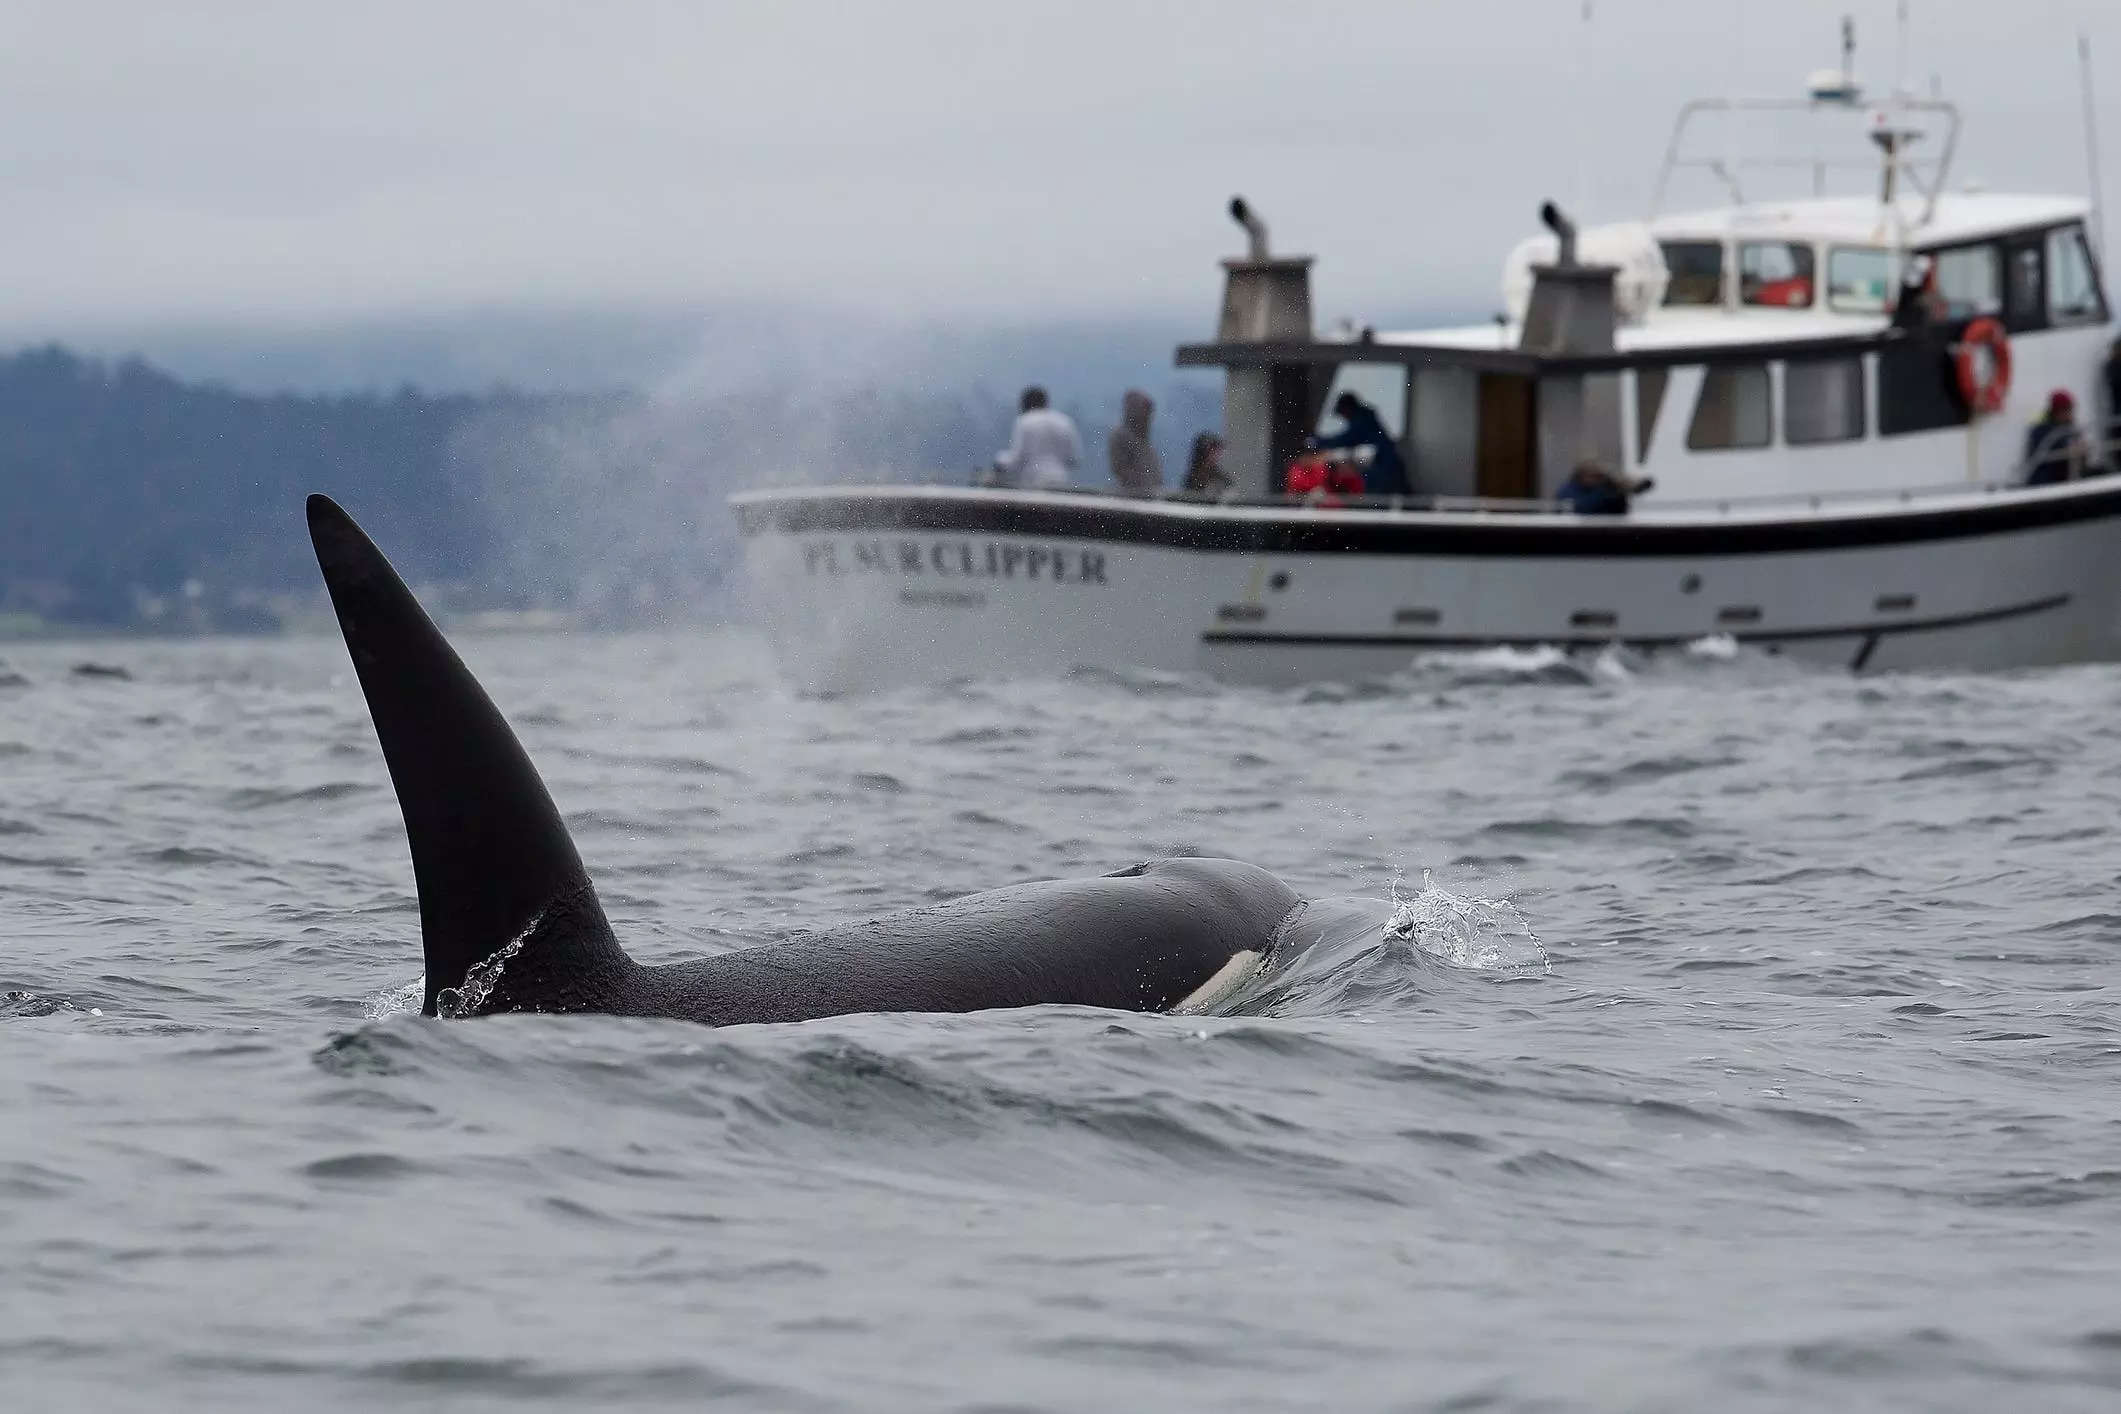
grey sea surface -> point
(1699, 1033)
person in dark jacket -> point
(2054, 446)
(1361, 427)
(1591, 490)
(1918, 304)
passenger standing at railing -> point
(1362, 427)
(2054, 447)
(1204, 468)
(1044, 449)
(1135, 465)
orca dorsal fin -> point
(495, 866)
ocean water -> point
(1700, 1033)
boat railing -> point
(2075, 457)
(2098, 456)
(2089, 457)
(2095, 463)
(1928, 176)
(1823, 501)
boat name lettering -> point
(955, 559)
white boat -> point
(1831, 394)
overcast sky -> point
(297, 161)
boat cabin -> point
(1817, 345)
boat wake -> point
(1611, 664)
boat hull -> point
(865, 588)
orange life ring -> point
(1984, 395)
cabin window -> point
(2072, 287)
(1970, 281)
(2025, 304)
(1696, 268)
(1822, 401)
(1859, 280)
(1734, 411)
(1649, 401)
(1775, 274)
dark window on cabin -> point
(2072, 280)
(1696, 269)
(1918, 389)
(2025, 288)
(1734, 411)
(1649, 401)
(1822, 401)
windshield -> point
(1859, 279)
(1697, 272)
(1970, 280)
(1775, 274)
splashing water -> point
(1479, 934)
(1611, 665)
(1504, 664)
(1715, 648)
(1343, 957)
(456, 1003)
(398, 1001)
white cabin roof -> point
(1855, 220)
(1959, 217)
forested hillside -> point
(129, 498)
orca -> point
(510, 922)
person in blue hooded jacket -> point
(1591, 490)
(1361, 427)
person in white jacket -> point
(1045, 448)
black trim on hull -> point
(1871, 633)
(1542, 536)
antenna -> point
(2091, 143)
(1583, 98)
(1900, 54)
(1730, 131)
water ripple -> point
(1750, 1043)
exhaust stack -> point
(1572, 312)
(1564, 231)
(1268, 408)
(1255, 229)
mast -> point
(2091, 143)
(1900, 53)
(1583, 99)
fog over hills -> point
(152, 477)
(676, 349)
